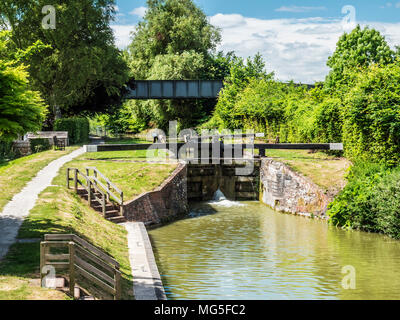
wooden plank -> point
(95, 251)
(96, 171)
(72, 269)
(88, 255)
(57, 257)
(59, 237)
(56, 244)
(58, 265)
(293, 146)
(107, 190)
(42, 260)
(92, 278)
(117, 285)
(92, 269)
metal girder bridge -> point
(174, 89)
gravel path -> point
(18, 208)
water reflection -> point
(247, 251)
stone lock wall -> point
(165, 203)
(287, 191)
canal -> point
(230, 250)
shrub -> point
(371, 116)
(6, 151)
(39, 145)
(78, 129)
(370, 201)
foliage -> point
(6, 151)
(39, 145)
(370, 201)
(371, 115)
(240, 75)
(175, 41)
(360, 48)
(123, 121)
(21, 109)
(78, 60)
(170, 27)
(78, 129)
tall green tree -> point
(21, 109)
(240, 74)
(80, 58)
(357, 49)
(174, 41)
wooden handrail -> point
(88, 187)
(90, 262)
(107, 189)
(105, 178)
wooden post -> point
(42, 261)
(71, 246)
(262, 152)
(67, 178)
(104, 205)
(89, 183)
(117, 279)
(121, 208)
(76, 179)
(108, 190)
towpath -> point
(19, 207)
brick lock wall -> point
(167, 202)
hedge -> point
(6, 150)
(78, 129)
(39, 145)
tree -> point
(371, 116)
(80, 58)
(175, 41)
(170, 27)
(241, 73)
(360, 48)
(21, 110)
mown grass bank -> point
(15, 174)
(328, 172)
(60, 210)
(133, 178)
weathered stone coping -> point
(147, 283)
(287, 191)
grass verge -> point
(59, 210)
(324, 170)
(15, 174)
(133, 178)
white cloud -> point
(228, 20)
(297, 9)
(140, 12)
(296, 49)
(122, 35)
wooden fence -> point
(103, 191)
(83, 261)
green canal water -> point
(227, 250)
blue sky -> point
(295, 37)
